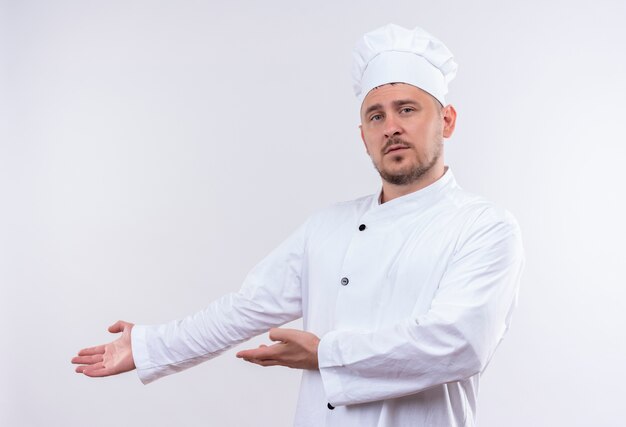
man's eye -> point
(406, 110)
(376, 117)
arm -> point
(453, 341)
(270, 296)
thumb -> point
(118, 326)
(280, 334)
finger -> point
(97, 373)
(81, 369)
(282, 334)
(87, 360)
(90, 351)
(265, 352)
(118, 326)
(97, 370)
(268, 362)
(247, 354)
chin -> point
(401, 169)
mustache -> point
(395, 141)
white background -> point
(152, 152)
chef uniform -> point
(410, 297)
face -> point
(403, 129)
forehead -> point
(387, 93)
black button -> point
(331, 407)
(345, 281)
(362, 227)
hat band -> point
(403, 67)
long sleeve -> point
(270, 296)
(452, 341)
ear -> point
(449, 120)
(363, 139)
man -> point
(404, 294)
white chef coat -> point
(410, 299)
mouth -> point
(395, 147)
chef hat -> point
(395, 54)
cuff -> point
(141, 356)
(331, 366)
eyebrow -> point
(373, 108)
(396, 104)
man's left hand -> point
(294, 349)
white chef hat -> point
(395, 54)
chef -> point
(404, 294)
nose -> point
(392, 127)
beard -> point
(408, 175)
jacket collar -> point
(413, 202)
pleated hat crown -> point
(393, 54)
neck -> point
(392, 191)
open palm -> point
(108, 359)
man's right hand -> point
(108, 359)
